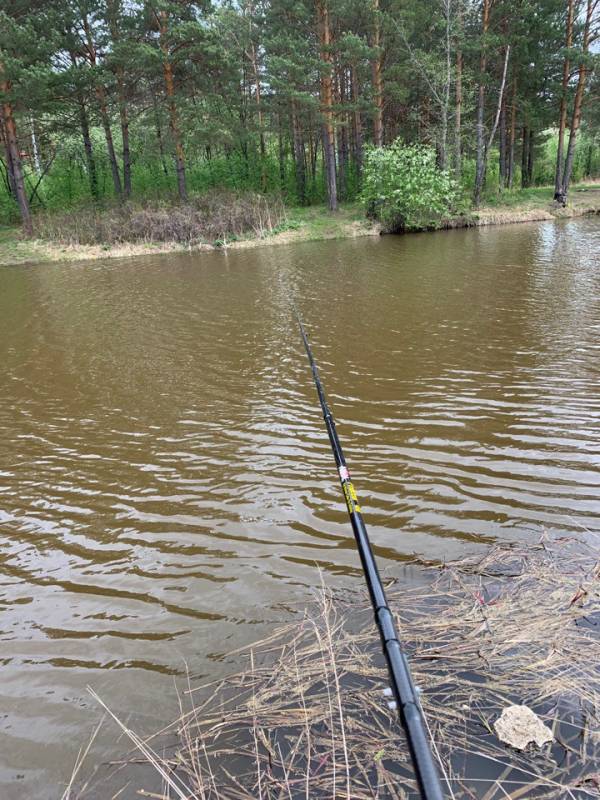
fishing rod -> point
(403, 688)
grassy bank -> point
(537, 203)
(297, 225)
(75, 236)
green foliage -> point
(246, 105)
(404, 188)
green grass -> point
(534, 197)
(318, 222)
(14, 249)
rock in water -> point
(519, 725)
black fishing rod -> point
(403, 688)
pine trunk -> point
(281, 151)
(577, 103)
(12, 145)
(298, 155)
(376, 77)
(114, 10)
(103, 106)
(172, 105)
(10, 173)
(258, 99)
(480, 131)
(524, 156)
(510, 176)
(110, 145)
(562, 114)
(89, 152)
(342, 135)
(530, 154)
(124, 119)
(327, 102)
(457, 117)
(357, 136)
(159, 138)
(502, 147)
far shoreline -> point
(310, 224)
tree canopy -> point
(119, 98)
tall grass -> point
(215, 217)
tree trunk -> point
(530, 156)
(530, 153)
(480, 178)
(578, 102)
(312, 151)
(103, 106)
(110, 145)
(589, 160)
(562, 114)
(357, 136)
(89, 153)
(480, 145)
(159, 138)
(457, 116)
(35, 149)
(281, 151)
(502, 147)
(524, 156)
(298, 155)
(251, 55)
(113, 11)
(10, 173)
(376, 77)
(10, 132)
(327, 102)
(342, 135)
(124, 119)
(162, 17)
(511, 137)
(445, 105)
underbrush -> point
(215, 217)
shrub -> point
(404, 188)
(219, 215)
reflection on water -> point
(166, 484)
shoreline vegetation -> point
(61, 238)
(307, 716)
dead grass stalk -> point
(308, 718)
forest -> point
(114, 102)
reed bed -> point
(309, 716)
(216, 217)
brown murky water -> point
(166, 485)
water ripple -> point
(167, 490)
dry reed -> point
(309, 718)
(216, 217)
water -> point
(166, 486)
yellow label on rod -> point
(351, 498)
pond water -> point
(167, 492)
